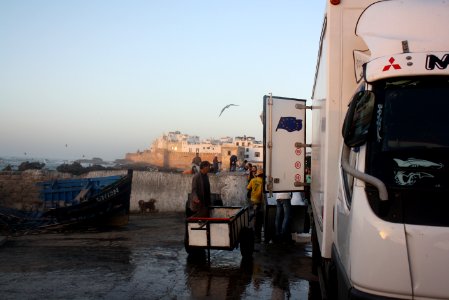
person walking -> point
(256, 187)
(251, 174)
(233, 162)
(200, 198)
(282, 221)
(215, 164)
(196, 161)
(248, 167)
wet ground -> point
(147, 260)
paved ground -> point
(147, 260)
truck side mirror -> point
(358, 119)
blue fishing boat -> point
(73, 203)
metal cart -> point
(226, 228)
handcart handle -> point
(202, 227)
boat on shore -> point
(73, 204)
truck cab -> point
(381, 198)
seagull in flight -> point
(227, 106)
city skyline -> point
(26, 156)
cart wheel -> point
(188, 212)
(189, 249)
(193, 252)
(246, 242)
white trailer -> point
(380, 150)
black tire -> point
(188, 212)
(332, 283)
(246, 242)
(189, 249)
(316, 254)
(193, 252)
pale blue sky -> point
(108, 77)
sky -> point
(102, 78)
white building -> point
(254, 152)
(202, 147)
(180, 142)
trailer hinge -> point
(302, 145)
(302, 106)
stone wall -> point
(168, 159)
(19, 190)
(171, 189)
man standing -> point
(233, 163)
(200, 196)
(256, 186)
(282, 221)
(196, 161)
(215, 164)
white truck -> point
(380, 150)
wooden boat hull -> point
(111, 203)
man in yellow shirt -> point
(256, 188)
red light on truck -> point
(335, 2)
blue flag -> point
(290, 124)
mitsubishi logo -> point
(395, 66)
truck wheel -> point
(246, 242)
(316, 255)
(332, 282)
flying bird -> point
(227, 106)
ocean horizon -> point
(50, 163)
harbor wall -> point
(168, 159)
(183, 160)
(170, 190)
(18, 189)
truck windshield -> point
(408, 149)
(415, 113)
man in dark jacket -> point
(233, 163)
(200, 196)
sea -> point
(50, 164)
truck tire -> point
(316, 254)
(332, 282)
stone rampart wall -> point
(171, 189)
(168, 159)
(19, 190)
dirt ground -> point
(146, 260)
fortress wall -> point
(19, 190)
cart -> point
(226, 228)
